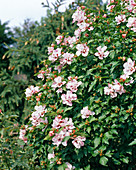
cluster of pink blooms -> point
(69, 166)
(129, 69)
(67, 58)
(79, 16)
(66, 125)
(22, 134)
(86, 113)
(116, 87)
(101, 52)
(113, 89)
(68, 98)
(44, 73)
(37, 116)
(55, 54)
(82, 49)
(70, 40)
(132, 23)
(58, 83)
(82, 22)
(79, 141)
(120, 18)
(83, 26)
(31, 90)
(131, 6)
(73, 84)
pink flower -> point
(82, 49)
(130, 82)
(57, 123)
(77, 33)
(55, 55)
(66, 123)
(78, 141)
(118, 87)
(69, 166)
(132, 23)
(31, 90)
(67, 58)
(59, 90)
(120, 18)
(41, 76)
(86, 113)
(129, 67)
(73, 84)
(50, 50)
(124, 77)
(71, 41)
(51, 155)
(41, 110)
(67, 98)
(36, 116)
(131, 6)
(83, 26)
(22, 135)
(79, 16)
(59, 39)
(58, 82)
(58, 138)
(58, 68)
(101, 54)
(90, 28)
(112, 90)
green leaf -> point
(66, 138)
(125, 160)
(103, 161)
(112, 54)
(62, 167)
(88, 129)
(20, 142)
(97, 141)
(105, 140)
(92, 85)
(87, 167)
(47, 137)
(108, 154)
(107, 135)
(133, 143)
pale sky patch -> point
(16, 11)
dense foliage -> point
(24, 52)
(84, 108)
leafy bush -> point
(24, 52)
(84, 107)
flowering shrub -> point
(85, 103)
